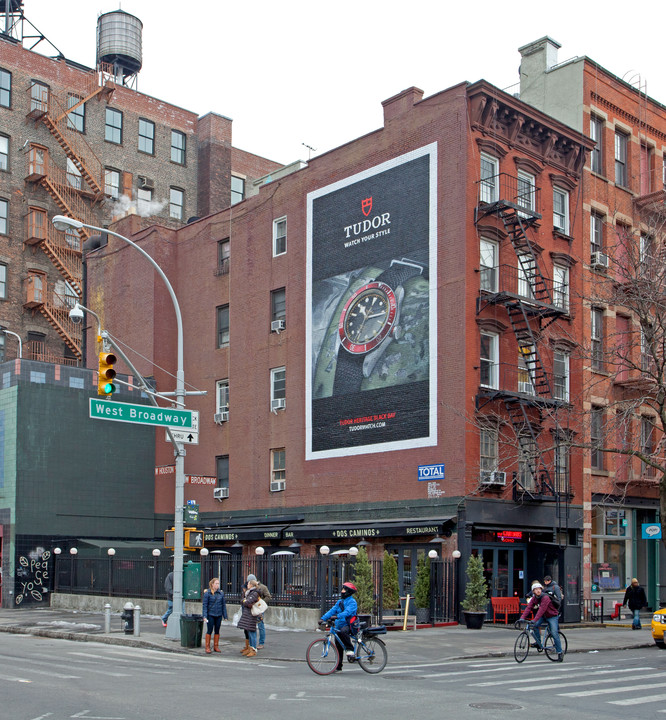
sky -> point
(293, 74)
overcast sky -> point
(295, 72)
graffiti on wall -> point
(32, 576)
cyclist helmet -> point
(347, 589)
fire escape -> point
(76, 189)
(527, 390)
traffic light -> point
(107, 373)
(168, 538)
(194, 539)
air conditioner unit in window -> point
(221, 493)
(493, 478)
(277, 326)
(221, 417)
(277, 485)
(599, 260)
(278, 404)
(146, 183)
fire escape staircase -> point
(57, 313)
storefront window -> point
(611, 532)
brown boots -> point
(245, 650)
(251, 652)
(208, 650)
(216, 643)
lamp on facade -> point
(295, 545)
(456, 554)
(237, 544)
(110, 552)
(437, 539)
(259, 551)
(156, 553)
(57, 551)
(72, 554)
(353, 551)
(432, 554)
(363, 543)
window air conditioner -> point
(599, 260)
(221, 417)
(278, 404)
(146, 183)
(221, 493)
(277, 485)
(493, 478)
(277, 325)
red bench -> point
(505, 606)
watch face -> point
(367, 318)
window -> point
(561, 210)
(279, 236)
(112, 183)
(489, 360)
(663, 171)
(526, 275)
(144, 199)
(4, 152)
(488, 451)
(222, 396)
(73, 175)
(39, 97)
(597, 133)
(73, 239)
(488, 265)
(146, 136)
(596, 438)
(222, 326)
(5, 89)
(527, 462)
(4, 216)
(489, 186)
(561, 287)
(647, 444)
(561, 375)
(113, 129)
(223, 250)
(621, 177)
(76, 117)
(222, 470)
(646, 254)
(2, 347)
(278, 383)
(526, 191)
(3, 281)
(278, 304)
(176, 203)
(597, 338)
(178, 147)
(36, 222)
(596, 233)
(562, 454)
(648, 347)
(278, 469)
(237, 189)
(526, 355)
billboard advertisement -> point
(371, 293)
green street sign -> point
(143, 414)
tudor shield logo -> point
(366, 206)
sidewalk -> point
(410, 647)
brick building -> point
(385, 337)
(619, 215)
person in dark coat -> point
(214, 609)
(168, 589)
(248, 621)
(634, 597)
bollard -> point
(137, 620)
(127, 616)
(107, 618)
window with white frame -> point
(488, 451)
(76, 117)
(561, 287)
(278, 304)
(596, 233)
(176, 203)
(3, 281)
(237, 189)
(561, 210)
(489, 360)
(526, 191)
(621, 142)
(562, 459)
(526, 355)
(39, 97)
(222, 395)
(278, 384)
(597, 125)
(144, 199)
(489, 185)
(5, 88)
(526, 274)
(647, 444)
(527, 462)
(597, 438)
(222, 471)
(74, 175)
(278, 469)
(223, 255)
(112, 183)
(488, 265)
(611, 551)
(4, 152)
(597, 338)
(4, 216)
(561, 375)
(279, 236)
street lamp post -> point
(156, 556)
(111, 552)
(17, 336)
(324, 550)
(56, 557)
(61, 222)
(456, 556)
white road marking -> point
(555, 686)
(638, 701)
(606, 691)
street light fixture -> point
(259, 551)
(353, 551)
(61, 222)
(432, 554)
(17, 336)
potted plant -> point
(363, 582)
(422, 590)
(476, 594)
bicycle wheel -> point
(521, 648)
(322, 657)
(372, 655)
(549, 646)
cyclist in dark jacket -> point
(635, 598)
(214, 609)
(545, 612)
(343, 613)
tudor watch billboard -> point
(371, 310)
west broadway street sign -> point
(144, 414)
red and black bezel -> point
(378, 288)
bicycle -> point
(524, 641)
(323, 654)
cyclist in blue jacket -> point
(343, 613)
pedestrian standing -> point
(214, 609)
(635, 598)
(248, 621)
(264, 594)
(168, 588)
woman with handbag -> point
(248, 621)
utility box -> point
(191, 581)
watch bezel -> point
(391, 315)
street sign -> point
(144, 414)
(183, 436)
(431, 472)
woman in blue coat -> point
(343, 613)
(214, 609)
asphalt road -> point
(53, 679)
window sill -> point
(557, 233)
(599, 176)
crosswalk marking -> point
(557, 685)
(605, 691)
(638, 701)
(562, 674)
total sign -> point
(431, 472)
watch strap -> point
(348, 372)
(398, 273)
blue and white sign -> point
(431, 472)
(651, 531)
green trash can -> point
(191, 630)
(191, 581)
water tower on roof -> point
(119, 44)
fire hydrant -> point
(127, 616)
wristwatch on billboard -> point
(368, 322)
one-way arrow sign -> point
(183, 436)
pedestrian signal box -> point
(193, 539)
